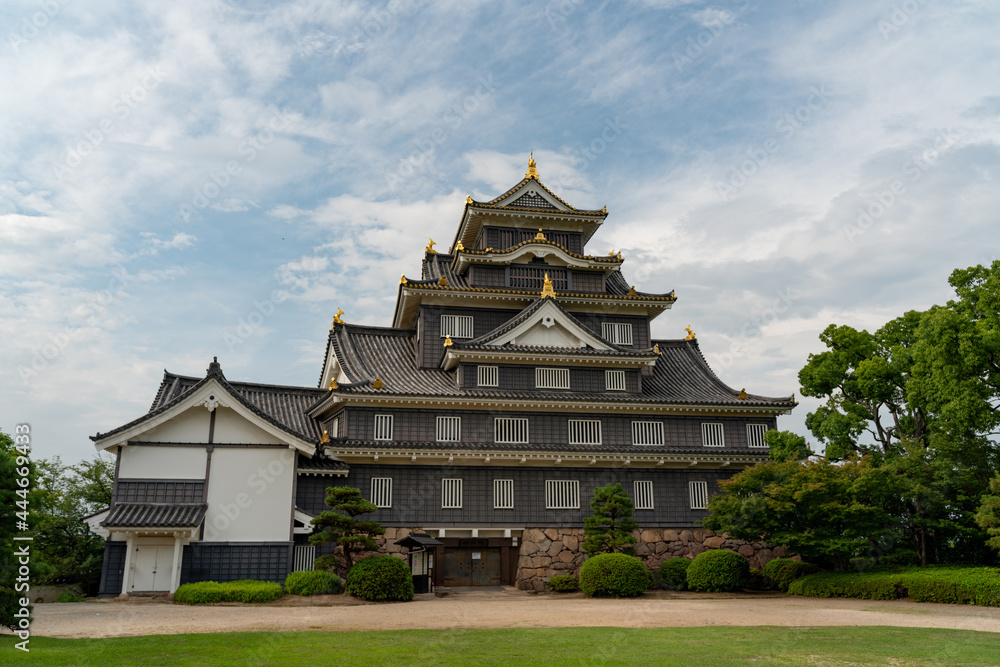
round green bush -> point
(718, 570)
(673, 573)
(772, 567)
(792, 571)
(327, 562)
(563, 583)
(314, 582)
(758, 582)
(381, 578)
(614, 575)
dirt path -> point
(498, 609)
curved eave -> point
(464, 258)
(454, 356)
(471, 223)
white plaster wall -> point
(162, 462)
(189, 426)
(230, 427)
(250, 495)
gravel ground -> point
(498, 609)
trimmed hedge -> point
(673, 573)
(772, 567)
(381, 578)
(792, 571)
(313, 582)
(563, 583)
(948, 584)
(614, 575)
(245, 590)
(758, 582)
(718, 570)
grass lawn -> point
(528, 646)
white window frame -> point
(755, 435)
(562, 494)
(617, 332)
(643, 492)
(503, 494)
(551, 378)
(699, 495)
(647, 433)
(487, 376)
(584, 431)
(449, 429)
(511, 430)
(713, 434)
(383, 427)
(381, 492)
(451, 493)
(614, 380)
(457, 326)
(333, 431)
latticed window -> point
(449, 429)
(614, 380)
(552, 378)
(383, 427)
(584, 431)
(487, 376)
(712, 435)
(456, 326)
(530, 277)
(451, 494)
(647, 433)
(382, 491)
(643, 495)
(755, 435)
(617, 333)
(562, 494)
(699, 495)
(512, 430)
(503, 494)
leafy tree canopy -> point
(354, 536)
(610, 527)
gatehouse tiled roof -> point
(156, 515)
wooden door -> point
(457, 567)
(486, 568)
(152, 568)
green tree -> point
(609, 528)
(341, 526)
(988, 516)
(787, 446)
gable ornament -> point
(690, 335)
(547, 289)
(430, 248)
(532, 171)
(447, 341)
(377, 383)
(336, 318)
(743, 394)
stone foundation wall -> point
(546, 553)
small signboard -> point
(476, 555)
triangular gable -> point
(210, 394)
(532, 191)
(547, 325)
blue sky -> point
(194, 179)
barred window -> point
(562, 494)
(584, 431)
(382, 491)
(614, 380)
(451, 494)
(712, 435)
(531, 277)
(755, 435)
(699, 495)
(383, 427)
(511, 430)
(647, 433)
(552, 378)
(449, 429)
(619, 334)
(487, 376)
(503, 494)
(644, 495)
(456, 326)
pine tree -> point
(610, 528)
(352, 535)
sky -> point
(208, 178)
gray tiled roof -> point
(155, 515)
(545, 447)
(319, 464)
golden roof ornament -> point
(547, 289)
(402, 279)
(632, 292)
(540, 236)
(430, 248)
(532, 171)
(326, 437)
(612, 253)
(620, 258)
(377, 383)
(459, 246)
(656, 349)
(333, 384)
(743, 394)
(468, 199)
(447, 341)
(443, 282)
(336, 318)
(605, 209)
(690, 335)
